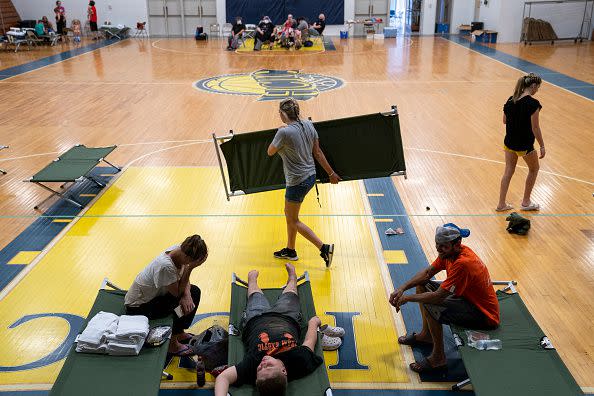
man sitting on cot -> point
(271, 334)
(466, 298)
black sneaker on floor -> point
(326, 252)
(287, 254)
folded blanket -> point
(132, 325)
(101, 325)
(119, 349)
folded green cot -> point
(73, 166)
(360, 147)
(93, 375)
(315, 384)
(527, 364)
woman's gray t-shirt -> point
(295, 145)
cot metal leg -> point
(95, 181)
(214, 139)
(167, 375)
(460, 385)
(61, 195)
(112, 165)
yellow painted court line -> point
(24, 257)
(62, 220)
(87, 195)
(383, 220)
(375, 195)
(395, 257)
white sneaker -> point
(332, 331)
(330, 343)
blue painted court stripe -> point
(564, 81)
(43, 230)
(391, 203)
(39, 63)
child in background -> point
(76, 30)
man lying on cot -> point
(466, 298)
(271, 334)
(164, 284)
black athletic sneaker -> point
(326, 252)
(286, 253)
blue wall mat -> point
(252, 11)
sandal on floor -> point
(531, 207)
(332, 331)
(505, 208)
(330, 343)
(425, 367)
(186, 351)
(410, 340)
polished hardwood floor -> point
(139, 94)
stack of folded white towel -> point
(129, 337)
(115, 335)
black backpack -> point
(212, 344)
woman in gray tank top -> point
(298, 145)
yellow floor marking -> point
(375, 195)
(395, 257)
(62, 220)
(87, 195)
(24, 257)
(119, 247)
(383, 220)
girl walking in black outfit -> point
(520, 116)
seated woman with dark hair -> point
(164, 284)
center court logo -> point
(271, 84)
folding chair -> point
(214, 28)
(32, 38)
(141, 30)
(2, 170)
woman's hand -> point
(542, 152)
(315, 321)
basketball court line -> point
(543, 70)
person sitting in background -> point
(163, 287)
(317, 29)
(47, 25)
(236, 34)
(301, 32)
(287, 34)
(40, 29)
(264, 33)
(76, 30)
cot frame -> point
(65, 187)
(224, 138)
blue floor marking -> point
(574, 85)
(39, 63)
(399, 273)
(41, 232)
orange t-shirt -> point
(468, 277)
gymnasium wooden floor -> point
(139, 94)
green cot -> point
(73, 166)
(527, 364)
(315, 384)
(93, 375)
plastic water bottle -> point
(488, 345)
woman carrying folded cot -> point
(164, 285)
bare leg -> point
(253, 283)
(291, 286)
(437, 357)
(424, 335)
(511, 159)
(294, 225)
(533, 167)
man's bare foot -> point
(437, 361)
(253, 274)
(291, 270)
